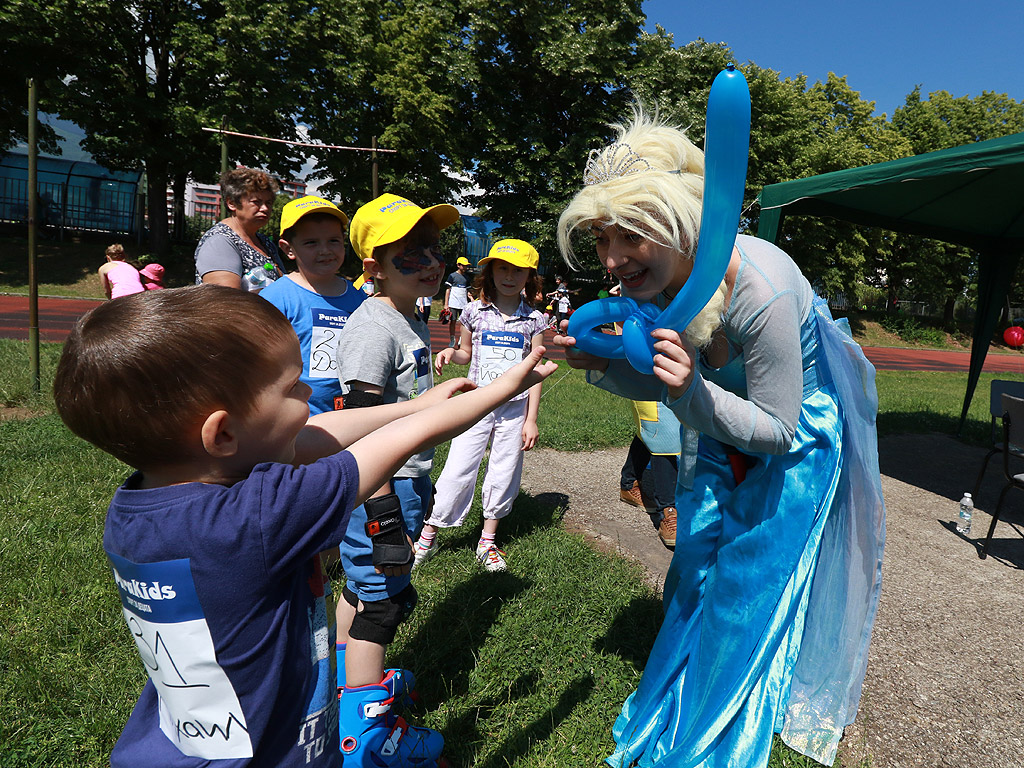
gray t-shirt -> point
(382, 347)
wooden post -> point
(33, 198)
(223, 170)
(373, 155)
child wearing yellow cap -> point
(316, 300)
(498, 330)
(384, 357)
(456, 296)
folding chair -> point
(1013, 445)
(995, 408)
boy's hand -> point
(530, 434)
(442, 359)
(674, 362)
(575, 357)
(529, 372)
(446, 389)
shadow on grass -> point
(529, 514)
(631, 633)
(975, 431)
(444, 648)
(519, 743)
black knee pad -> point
(377, 621)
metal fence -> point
(71, 196)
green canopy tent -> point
(971, 195)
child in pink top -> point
(119, 277)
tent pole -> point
(995, 271)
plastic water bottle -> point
(260, 277)
(963, 524)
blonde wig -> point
(649, 181)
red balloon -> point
(1014, 336)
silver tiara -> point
(612, 162)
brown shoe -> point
(632, 496)
(667, 529)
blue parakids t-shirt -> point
(222, 592)
(318, 321)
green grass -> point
(525, 668)
(68, 268)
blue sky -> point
(884, 48)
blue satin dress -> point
(773, 587)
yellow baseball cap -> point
(462, 260)
(518, 253)
(296, 209)
(389, 218)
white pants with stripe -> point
(456, 486)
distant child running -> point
(213, 541)
(498, 331)
(456, 296)
(384, 357)
(316, 300)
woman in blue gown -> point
(773, 587)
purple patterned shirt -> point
(499, 342)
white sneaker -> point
(492, 558)
(421, 553)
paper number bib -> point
(324, 343)
(499, 351)
(199, 710)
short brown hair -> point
(244, 181)
(141, 372)
(115, 251)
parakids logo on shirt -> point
(395, 205)
(161, 592)
(144, 589)
(499, 339)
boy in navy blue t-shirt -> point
(213, 540)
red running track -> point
(58, 315)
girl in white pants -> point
(498, 330)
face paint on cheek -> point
(415, 259)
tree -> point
(166, 69)
(931, 270)
(547, 75)
(28, 53)
(393, 71)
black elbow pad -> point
(386, 529)
(356, 398)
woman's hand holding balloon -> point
(575, 356)
(674, 362)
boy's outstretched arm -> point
(333, 431)
(380, 454)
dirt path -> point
(944, 685)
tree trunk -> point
(178, 206)
(156, 192)
(890, 300)
(947, 312)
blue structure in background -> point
(72, 194)
(74, 191)
(479, 237)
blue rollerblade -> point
(372, 736)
